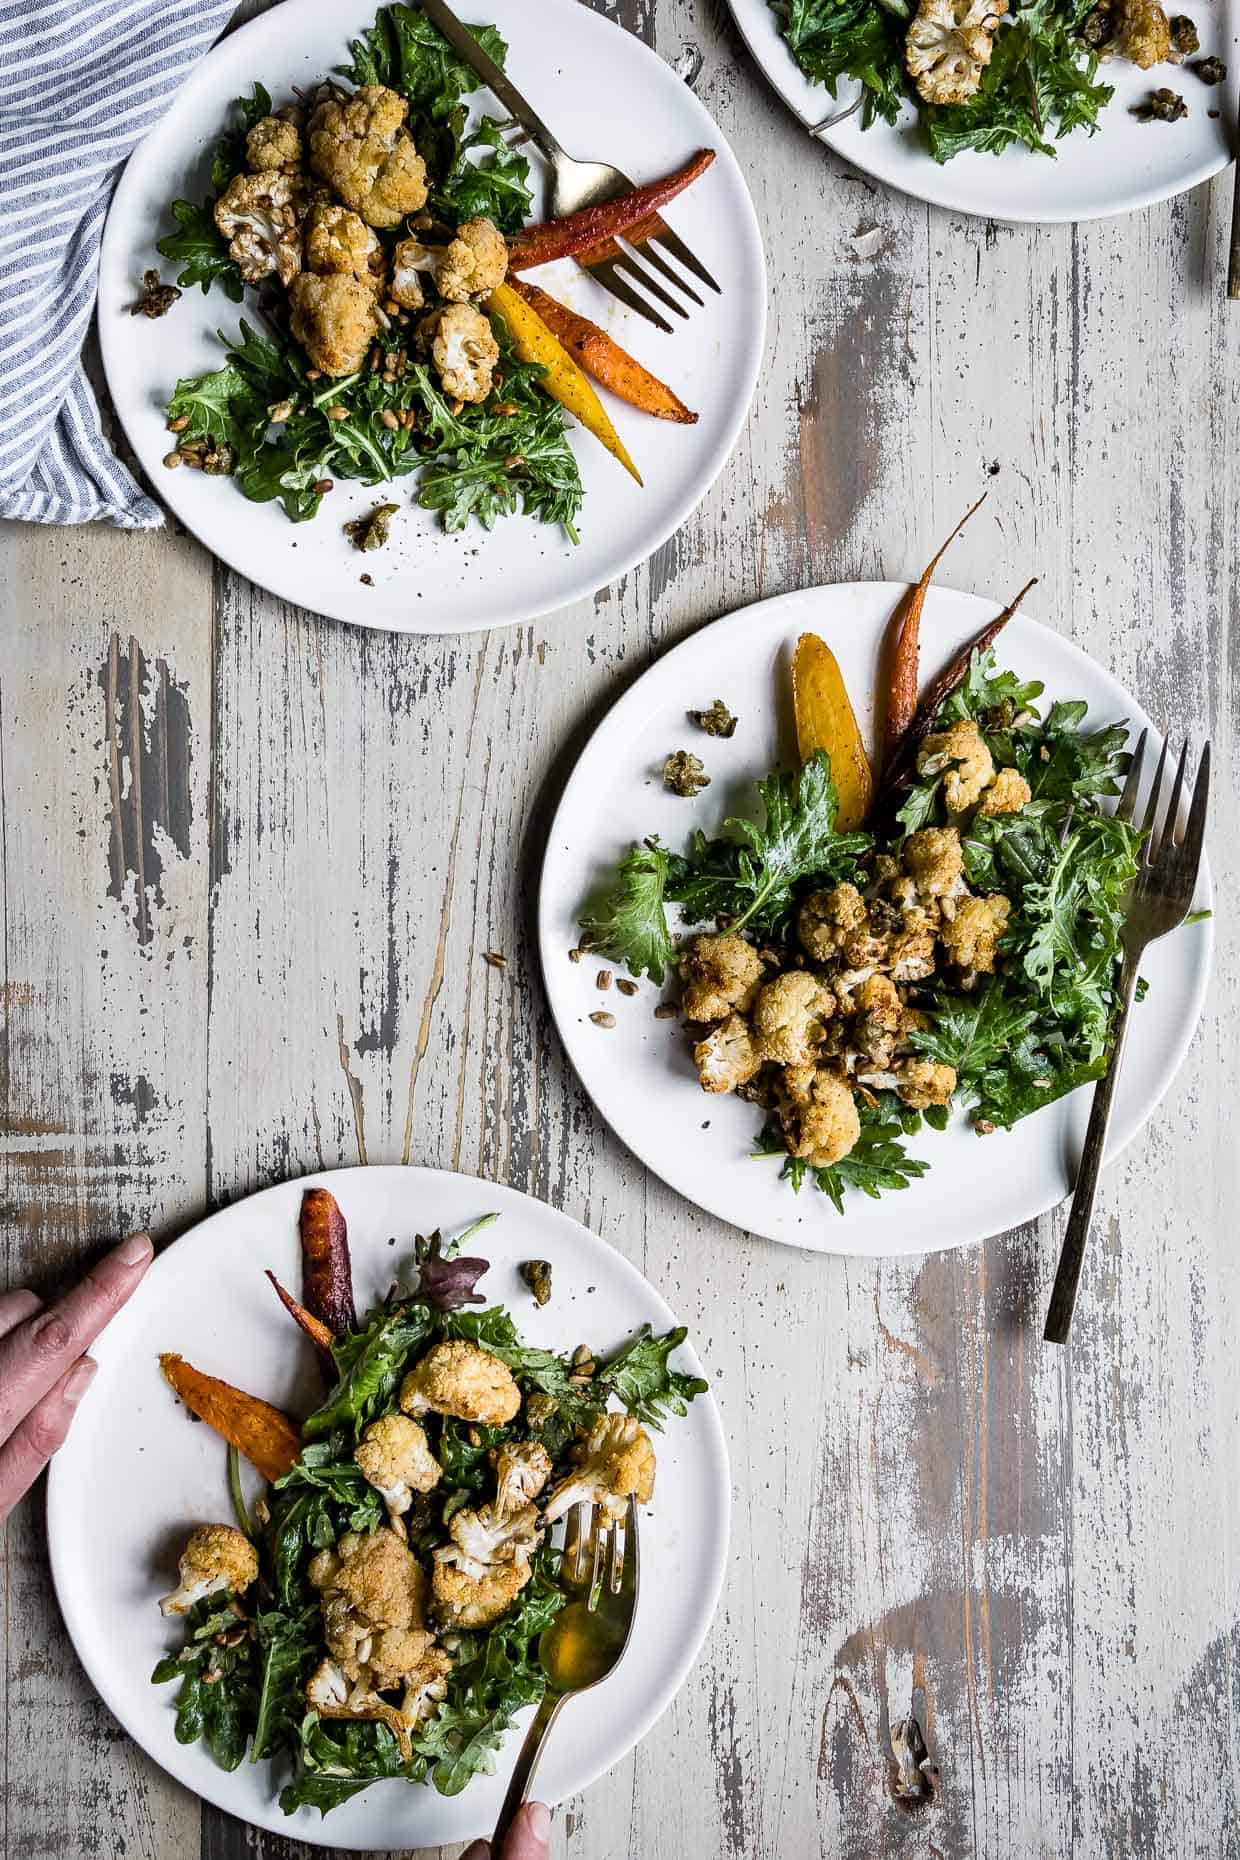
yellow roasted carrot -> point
(601, 356)
(267, 1437)
(825, 720)
(563, 380)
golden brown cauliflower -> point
(923, 1082)
(260, 216)
(960, 755)
(818, 1114)
(974, 930)
(1144, 33)
(935, 860)
(404, 285)
(727, 1057)
(394, 1455)
(215, 1558)
(464, 1380)
(721, 972)
(910, 954)
(1007, 794)
(338, 240)
(613, 1463)
(790, 1016)
(462, 1601)
(948, 46)
(463, 349)
(373, 1598)
(359, 146)
(273, 143)
(334, 320)
(880, 1020)
(472, 264)
(488, 1539)
(332, 1694)
(522, 1469)
(826, 917)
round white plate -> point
(644, 119)
(1127, 164)
(135, 1476)
(640, 1073)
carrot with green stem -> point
(906, 661)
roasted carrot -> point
(899, 772)
(906, 630)
(577, 232)
(595, 351)
(267, 1438)
(825, 720)
(327, 1276)
(562, 378)
(317, 1331)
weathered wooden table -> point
(250, 863)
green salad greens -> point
(1035, 81)
(286, 430)
(941, 957)
(248, 1657)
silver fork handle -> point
(527, 1762)
(1063, 1296)
(467, 47)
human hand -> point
(44, 1371)
(529, 1838)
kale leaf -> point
(219, 1684)
(858, 39)
(371, 1363)
(629, 924)
(1040, 78)
(639, 1375)
(487, 178)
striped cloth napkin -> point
(84, 81)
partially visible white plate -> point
(640, 1074)
(641, 117)
(1128, 164)
(135, 1476)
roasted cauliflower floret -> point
(826, 918)
(613, 1463)
(960, 755)
(487, 1539)
(216, 1557)
(923, 1082)
(790, 1016)
(359, 146)
(974, 931)
(461, 1601)
(522, 1469)
(260, 216)
(948, 46)
(721, 972)
(727, 1057)
(472, 264)
(464, 1380)
(273, 143)
(394, 1455)
(373, 1598)
(463, 349)
(910, 955)
(1144, 33)
(331, 1693)
(818, 1114)
(338, 240)
(880, 1020)
(334, 320)
(1007, 794)
(935, 860)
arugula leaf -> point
(1040, 78)
(831, 39)
(287, 1653)
(337, 1760)
(639, 1375)
(218, 1683)
(494, 186)
(201, 250)
(214, 404)
(371, 1363)
(878, 1160)
(629, 924)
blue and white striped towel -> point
(83, 82)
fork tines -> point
(594, 1552)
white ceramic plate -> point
(135, 1476)
(1128, 164)
(644, 119)
(640, 1073)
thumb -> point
(530, 1838)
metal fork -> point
(587, 1638)
(1161, 898)
(578, 184)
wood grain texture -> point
(252, 860)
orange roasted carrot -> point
(906, 629)
(577, 232)
(317, 1331)
(595, 351)
(327, 1276)
(267, 1438)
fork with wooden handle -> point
(1161, 900)
(579, 184)
(586, 1640)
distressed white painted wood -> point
(256, 948)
